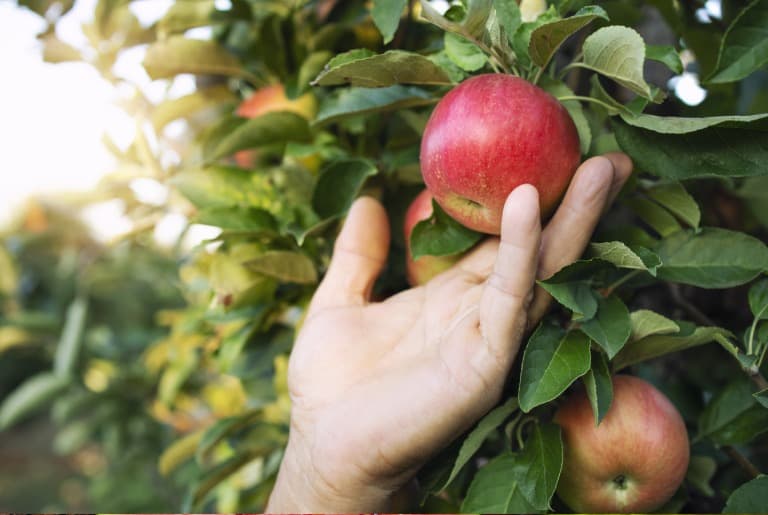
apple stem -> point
(609, 107)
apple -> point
(270, 99)
(421, 270)
(633, 461)
(490, 134)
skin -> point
(378, 388)
(488, 136)
(420, 271)
(633, 462)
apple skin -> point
(270, 99)
(634, 461)
(489, 135)
(420, 271)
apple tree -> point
(672, 288)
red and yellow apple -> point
(270, 99)
(421, 270)
(633, 461)
(489, 135)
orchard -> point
(164, 372)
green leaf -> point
(618, 53)
(475, 439)
(175, 55)
(183, 107)
(676, 199)
(286, 266)
(383, 70)
(558, 89)
(718, 151)
(521, 39)
(666, 55)
(386, 15)
(599, 386)
(238, 218)
(749, 497)
(659, 218)
(519, 483)
(733, 416)
(463, 53)
(357, 101)
(758, 299)
(762, 397)
(223, 186)
(701, 470)
(57, 51)
(622, 256)
(681, 125)
(713, 258)
(647, 323)
(576, 296)
(71, 340)
(547, 38)
(182, 16)
(338, 185)
(220, 430)
(267, 129)
(34, 393)
(744, 47)
(508, 14)
(656, 345)
(553, 359)
(441, 235)
(611, 327)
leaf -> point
(665, 54)
(223, 186)
(656, 345)
(183, 107)
(761, 397)
(34, 393)
(553, 359)
(682, 125)
(701, 470)
(339, 184)
(508, 14)
(222, 429)
(744, 47)
(57, 51)
(547, 38)
(758, 299)
(733, 416)
(441, 235)
(647, 323)
(577, 296)
(599, 386)
(71, 340)
(674, 197)
(749, 497)
(238, 218)
(611, 327)
(719, 151)
(463, 53)
(267, 129)
(169, 57)
(622, 256)
(522, 482)
(713, 258)
(286, 266)
(382, 70)
(178, 452)
(658, 218)
(558, 89)
(386, 15)
(475, 439)
(357, 101)
(182, 16)
(618, 53)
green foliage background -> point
(171, 366)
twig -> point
(746, 465)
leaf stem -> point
(609, 107)
(610, 289)
(752, 330)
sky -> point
(53, 116)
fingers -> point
(596, 183)
(507, 291)
(358, 257)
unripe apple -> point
(489, 135)
(421, 270)
(633, 461)
(270, 99)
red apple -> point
(490, 134)
(270, 99)
(421, 270)
(634, 461)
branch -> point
(746, 465)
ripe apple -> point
(421, 270)
(270, 99)
(633, 461)
(490, 134)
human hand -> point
(378, 388)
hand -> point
(378, 388)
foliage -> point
(678, 263)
